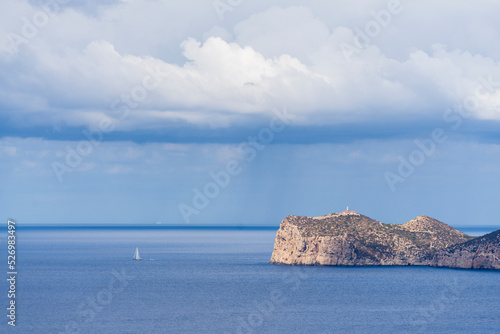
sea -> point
(218, 280)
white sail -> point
(136, 254)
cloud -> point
(294, 31)
(291, 56)
(9, 150)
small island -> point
(351, 239)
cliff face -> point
(351, 239)
(479, 253)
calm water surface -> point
(219, 281)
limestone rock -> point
(479, 253)
(352, 239)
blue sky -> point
(243, 112)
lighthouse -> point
(347, 212)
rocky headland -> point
(479, 253)
(351, 239)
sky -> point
(240, 112)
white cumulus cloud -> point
(112, 62)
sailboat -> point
(136, 254)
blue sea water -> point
(84, 280)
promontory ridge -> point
(351, 239)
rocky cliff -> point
(479, 253)
(352, 239)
